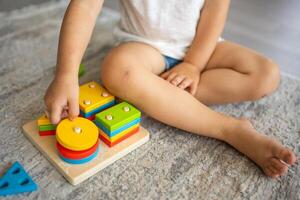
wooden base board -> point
(76, 174)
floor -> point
(268, 26)
(173, 164)
(11, 5)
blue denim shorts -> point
(171, 62)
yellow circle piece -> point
(68, 136)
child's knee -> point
(266, 79)
(118, 72)
(270, 75)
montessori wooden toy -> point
(118, 123)
(93, 98)
(16, 180)
(76, 174)
(76, 150)
(45, 126)
(77, 140)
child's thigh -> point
(240, 59)
(135, 55)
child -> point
(171, 63)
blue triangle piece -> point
(16, 180)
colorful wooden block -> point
(45, 127)
(89, 118)
(48, 127)
(118, 136)
(43, 120)
(67, 153)
(92, 96)
(77, 135)
(16, 180)
(81, 70)
(117, 116)
(119, 130)
(111, 144)
(92, 113)
(47, 133)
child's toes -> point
(286, 155)
(270, 172)
(291, 157)
(279, 166)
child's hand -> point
(185, 76)
(61, 98)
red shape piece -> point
(47, 133)
(111, 144)
(67, 153)
(90, 118)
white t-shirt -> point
(168, 25)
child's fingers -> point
(64, 114)
(55, 114)
(165, 74)
(73, 109)
(185, 83)
(177, 80)
(193, 88)
(171, 76)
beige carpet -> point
(173, 165)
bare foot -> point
(269, 154)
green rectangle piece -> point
(81, 70)
(49, 127)
(121, 114)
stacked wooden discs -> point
(77, 140)
(117, 123)
(93, 98)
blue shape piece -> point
(80, 161)
(16, 180)
(117, 131)
(93, 112)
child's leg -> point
(129, 71)
(234, 74)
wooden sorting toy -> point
(93, 98)
(77, 140)
(76, 150)
(118, 123)
(45, 126)
(76, 174)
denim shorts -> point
(171, 62)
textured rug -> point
(172, 165)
